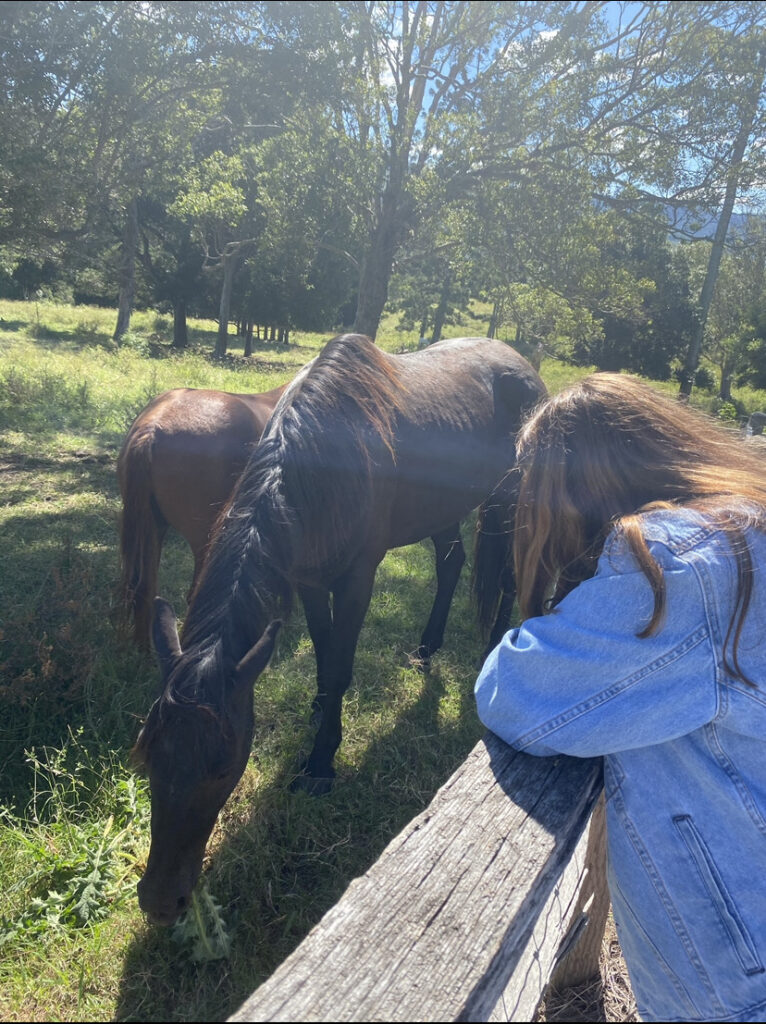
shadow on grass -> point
(63, 666)
(68, 474)
(13, 325)
(76, 338)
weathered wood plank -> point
(465, 908)
(558, 929)
(592, 901)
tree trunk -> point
(249, 338)
(750, 109)
(180, 332)
(127, 270)
(229, 267)
(441, 310)
(727, 373)
(377, 265)
(492, 329)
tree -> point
(731, 340)
(678, 113)
(416, 75)
(748, 118)
(96, 99)
(220, 208)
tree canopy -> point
(303, 164)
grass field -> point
(74, 818)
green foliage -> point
(727, 411)
(213, 197)
(546, 319)
(78, 839)
(201, 932)
(704, 379)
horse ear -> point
(165, 635)
(257, 658)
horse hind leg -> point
(450, 558)
(494, 581)
(504, 611)
(143, 587)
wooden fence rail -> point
(469, 911)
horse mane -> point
(337, 423)
(294, 510)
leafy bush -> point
(77, 841)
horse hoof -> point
(420, 660)
(308, 784)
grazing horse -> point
(364, 452)
(177, 467)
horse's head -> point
(194, 747)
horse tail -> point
(141, 531)
(494, 581)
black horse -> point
(364, 452)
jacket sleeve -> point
(579, 681)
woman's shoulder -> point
(676, 536)
(679, 529)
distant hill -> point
(689, 223)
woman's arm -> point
(579, 681)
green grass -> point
(74, 823)
(74, 834)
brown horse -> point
(364, 452)
(177, 467)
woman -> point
(642, 531)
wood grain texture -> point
(463, 912)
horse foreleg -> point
(199, 564)
(316, 605)
(450, 557)
(351, 599)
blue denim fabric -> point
(685, 757)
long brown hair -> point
(606, 449)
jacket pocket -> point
(721, 898)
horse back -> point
(193, 445)
(467, 400)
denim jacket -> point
(684, 747)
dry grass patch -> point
(606, 998)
